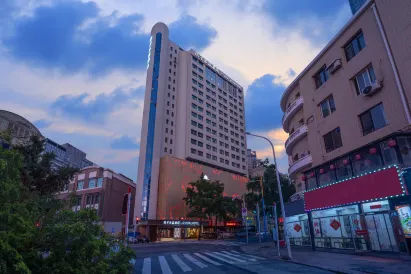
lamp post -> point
(279, 190)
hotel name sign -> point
(184, 223)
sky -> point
(76, 68)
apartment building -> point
(348, 118)
(67, 155)
(102, 189)
(192, 111)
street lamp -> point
(279, 191)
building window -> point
(321, 77)
(193, 151)
(327, 106)
(80, 185)
(363, 79)
(99, 182)
(193, 132)
(91, 183)
(194, 141)
(200, 153)
(373, 119)
(354, 46)
(332, 140)
(165, 149)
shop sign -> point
(361, 232)
(187, 223)
(232, 224)
(297, 228)
(404, 213)
(335, 224)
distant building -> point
(102, 189)
(355, 5)
(67, 155)
(19, 128)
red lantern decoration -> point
(321, 171)
(345, 162)
(332, 167)
(312, 174)
(303, 178)
(358, 157)
(392, 143)
(373, 151)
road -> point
(203, 257)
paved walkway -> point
(342, 263)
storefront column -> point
(310, 222)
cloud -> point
(262, 103)
(72, 36)
(95, 110)
(195, 35)
(124, 142)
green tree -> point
(204, 199)
(38, 234)
(37, 171)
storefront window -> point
(376, 206)
(343, 169)
(298, 230)
(389, 153)
(311, 181)
(404, 144)
(366, 160)
(326, 176)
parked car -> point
(142, 239)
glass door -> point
(380, 231)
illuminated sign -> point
(149, 52)
(232, 224)
(187, 223)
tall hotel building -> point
(193, 123)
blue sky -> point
(76, 68)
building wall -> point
(20, 128)
(178, 173)
(169, 99)
(111, 193)
(348, 104)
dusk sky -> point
(76, 69)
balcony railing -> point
(291, 110)
(299, 165)
(295, 137)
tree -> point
(37, 171)
(204, 199)
(37, 232)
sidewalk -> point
(342, 263)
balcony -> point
(299, 165)
(291, 110)
(297, 135)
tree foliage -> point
(205, 200)
(38, 233)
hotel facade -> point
(193, 114)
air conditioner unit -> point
(334, 66)
(371, 89)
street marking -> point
(235, 251)
(218, 258)
(165, 268)
(206, 259)
(180, 263)
(255, 257)
(230, 257)
(237, 255)
(147, 266)
(194, 261)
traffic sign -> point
(244, 211)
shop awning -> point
(380, 184)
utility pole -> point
(128, 212)
(263, 204)
(246, 224)
(258, 222)
(276, 226)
